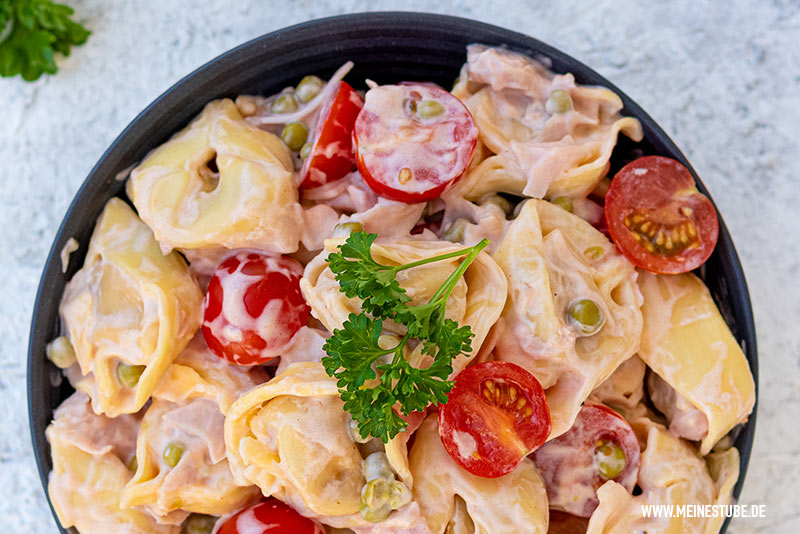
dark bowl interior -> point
(386, 47)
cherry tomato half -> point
(600, 446)
(253, 307)
(269, 517)
(496, 414)
(413, 141)
(657, 217)
(331, 156)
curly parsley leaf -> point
(360, 276)
(370, 385)
(353, 349)
(34, 31)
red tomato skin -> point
(235, 330)
(395, 194)
(469, 418)
(327, 163)
(570, 457)
(429, 183)
(657, 182)
(269, 517)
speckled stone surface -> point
(722, 78)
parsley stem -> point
(454, 254)
(398, 355)
(449, 285)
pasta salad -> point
(399, 310)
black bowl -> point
(386, 47)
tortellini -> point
(220, 182)
(182, 465)
(552, 259)
(128, 312)
(451, 498)
(476, 301)
(90, 457)
(671, 473)
(549, 150)
(264, 425)
(687, 342)
(290, 437)
(186, 419)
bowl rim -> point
(220, 63)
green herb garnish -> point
(355, 357)
(31, 32)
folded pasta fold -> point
(553, 259)
(220, 182)
(199, 373)
(688, 344)
(476, 301)
(451, 498)
(90, 453)
(128, 312)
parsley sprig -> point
(355, 356)
(31, 32)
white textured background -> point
(722, 78)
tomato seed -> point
(405, 175)
(662, 239)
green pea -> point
(355, 433)
(295, 135)
(376, 465)
(428, 109)
(198, 524)
(133, 465)
(399, 495)
(559, 102)
(375, 515)
(284, 103)
(455, 232)
(60, 352)
(308, 88)
(388, 341)
(499, 201)
(594, 253)
(586, 316)
(346, 228)
(129, 375)
(374, 505)
(609, 459)
(563, 203)
(173, 453)
(518, 209)
(306, 150)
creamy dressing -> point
(69, 247)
